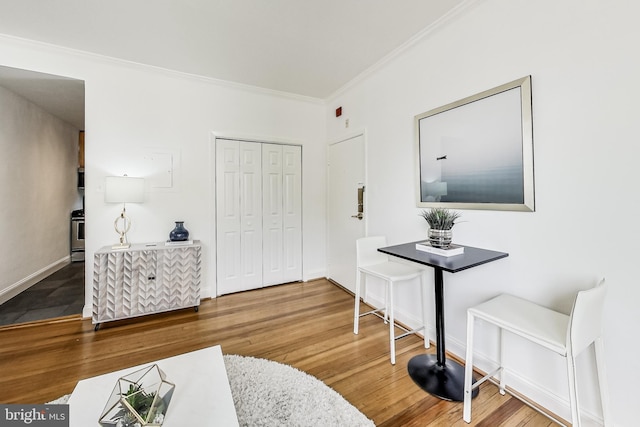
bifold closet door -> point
(282, 213)
(239, 215)
(259, 215)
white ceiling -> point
(305, 47)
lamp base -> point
(126, 225)
(121, 246)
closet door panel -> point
(251, 214)
(228, 234)
(272, 214)
(292, 212)
(239, 216)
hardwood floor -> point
(306, 325)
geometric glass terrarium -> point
(139, 399)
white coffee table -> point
(202, 396)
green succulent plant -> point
(142, 403)
(440, 218)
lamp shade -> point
(123, 189)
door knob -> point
(359, 216)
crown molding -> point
(61, 50)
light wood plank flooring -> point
(306, 325)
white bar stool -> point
(566, 335)
(377, 264)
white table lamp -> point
(123, 189)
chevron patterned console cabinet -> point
(145, 279)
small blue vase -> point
(179, 234)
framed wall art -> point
(477, 153)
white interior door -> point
(346, 175)
(292, 212)
(239, 216)
(251, 214)
(272, 214)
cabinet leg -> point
(95, 328)
(196, 308)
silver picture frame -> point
(477, 153)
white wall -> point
(37, 192)
(585, 91)
(134, 111)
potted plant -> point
(441, 221)
(139, 399)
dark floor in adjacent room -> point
(61, 294)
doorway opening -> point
(43, 117)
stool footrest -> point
(375, 312)
(490, 375)
(407, 333)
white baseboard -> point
(313, 275)
(22, 285)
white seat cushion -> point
(393, 271)
(525, 318)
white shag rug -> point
(271, 394)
